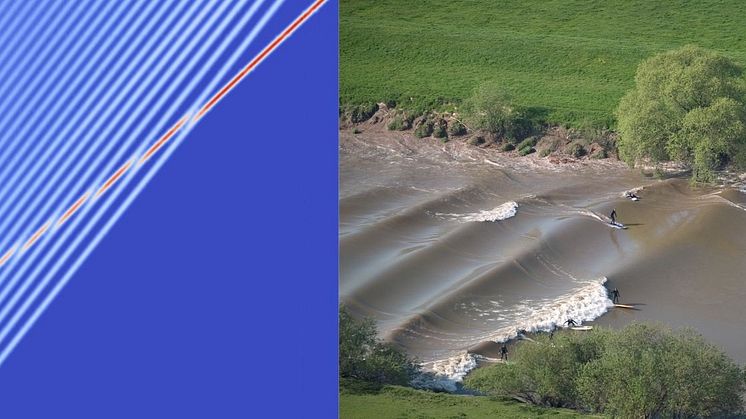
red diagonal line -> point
(7, 255)
(114, 178)
(36, 236)
(158, 144)
(72, 209)
(259, 58)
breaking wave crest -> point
(583, 304)
(499, 213)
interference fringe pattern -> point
(230, 85)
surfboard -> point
(623, 306)
(583, 328)
(618, 225)
(635, 199)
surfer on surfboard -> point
(613, 216)
(615, 295)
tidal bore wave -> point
(450, 255)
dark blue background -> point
(215, 294)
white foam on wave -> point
(585, 303)
(499, 213)
(632, 191)
(445, 374)
(488, 161)
(593, 215)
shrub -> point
(356, 130)
(424, 130)
(688, 105)
(576, 150)
(478, 140)
(526, 151)
(507, 147)
(364, 357)
(592, 131)
(490, 108)
(400, 123)
(600, 154)
(639, 371)
(528, 142)
(545, 152)
(361, 112)
(456, 128)
(439, 131)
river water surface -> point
(451, 248)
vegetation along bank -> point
(507, 72)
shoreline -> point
(551, 142)
(374, 130)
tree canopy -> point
(363, 356)
(640, 371)
(689, 105)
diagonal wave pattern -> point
(137, 77)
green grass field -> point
(402, 402)
(573, 58)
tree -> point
(688, 105)
(640, 371)
(545, 372)
(364, 357)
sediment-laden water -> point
(451, 247)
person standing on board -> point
(613, 216)
(615, 295)
(504, 353)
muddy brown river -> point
(450, 247)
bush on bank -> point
(362, 356)
(490, 108)
(640, 371)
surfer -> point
(571, 323)
(615, 295)
(613, 216)
(504, 353)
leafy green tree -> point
(687, 104)
(640, 371)
(356, 340)
(364, 357)
(544, 373)
(633, 374)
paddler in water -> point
(571, 323)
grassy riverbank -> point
(573, 59)
(360, 401)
